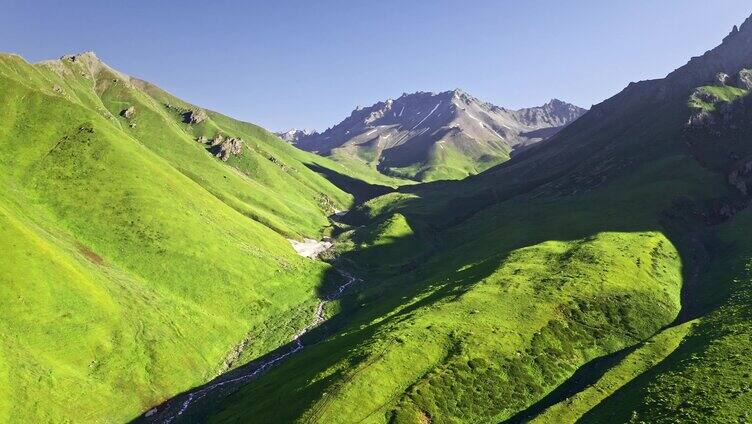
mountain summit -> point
(431, 136)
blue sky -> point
(307, 64)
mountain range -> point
(164, 263)
(433, 136)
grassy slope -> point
(133, 267)
(645, 357)
(517, 298)
(537, 270)
(707, 379)
(450, 161)
(702, 97)
(354, 165)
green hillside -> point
(598, 277)
(134, 259)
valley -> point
(431, 259)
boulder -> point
(721, 78)
(196, 116)
(218, 139)
(231, 146)
(736, 180)
(128, 113)
(745, 79)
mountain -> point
(429, 136)
(603, 275)
(293, 135)
(143, 240)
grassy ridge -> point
(707, 378)
(645, 357)
(452, 161)
(136, 259)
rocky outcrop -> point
(699, 120)
(716, 113)
(231, 146)
(744, 79)
(195, 116)
(222, 147)
(128, 113)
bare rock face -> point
(231, 146)
(128, 113)
(222, 147)
(217, 140)
(196, 116)
(722, 78)
(408, 131)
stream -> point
(179, 405)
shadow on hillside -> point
(361, 190)
(585, 376)
(434, 275)
(458, 224)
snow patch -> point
(482, 124)
(427, 116)
(309, 248)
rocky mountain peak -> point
(293, 135)
(89, 62)
(553, 113)
(406, 130)
(87, 55)
(731, 56)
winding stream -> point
(174, 408)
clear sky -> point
(308, 63)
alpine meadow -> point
(430, 259)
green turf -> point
(708, 379)
(645, 357)
(134, 260)
(707, 98)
